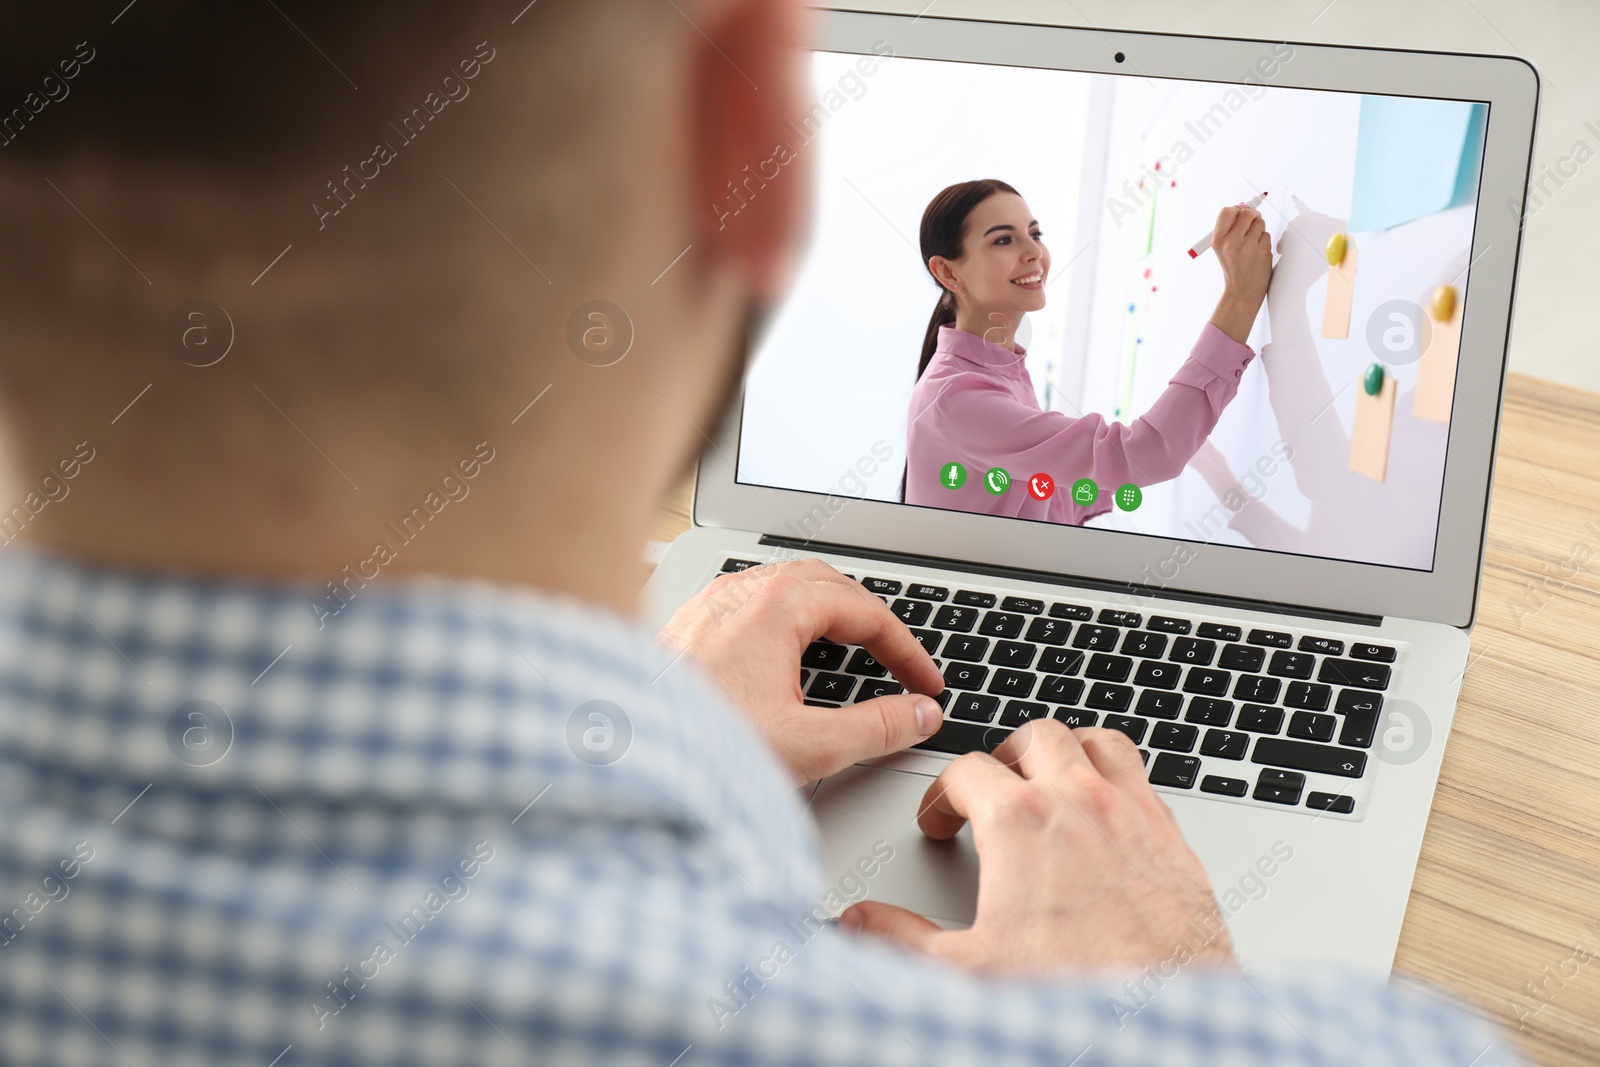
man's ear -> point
(752, 176)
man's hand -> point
(1244, 248)
(748, 631)
(1081, 864)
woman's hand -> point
(1244, 249)
(748, 630)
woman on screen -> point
(973, 408)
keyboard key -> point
(1271, 638)
(1074, 718)
(1144, 643)
(882, 586)
(805, 676)
(1000, 624)
(1309, 726)
(826, 686)
(878, 687)
(1144, 755)
(1012, 654)
(945, 696)
(1313, 696)
(823, 656)
(1159, 705)
(1259, 719)
(1108, 668)
(1018, 712)
(912, 612)
(1049, 631)
(928, 639)
(1075, 612)
(1025, 605)
(820, 703)
(965, 675)
(928, 592)
(1097, 637)
(1174, 736)
(1257, 688)
(1354, 673)
(1228, 787)
(974, 707)
(1168, 625)
(1193, 651)
(1358, 700)
(958, 737)
(1325, 646)
(1134, 728)
(1280, 787)
(1059, 690)
(861, 662)
(1009, 683)
(729, 566)
(1242, 658)
(1060, 661)
(974, 600)
(1360, 727)
(1292, 664)
(960, 620)
(1323, 759)
(1174, 771)
(1158, 674)
(1108, 697)
(1113, 617)
(1225, 744)
(1377, 653)
(1209, 710)
(1339, 805)
(966, 647)
(1219, 632)
(1206, 681)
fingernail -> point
(851, 920)
(928, 716)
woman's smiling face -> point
(1003, 257)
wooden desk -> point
(1507, 895)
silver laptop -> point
(1282, 626)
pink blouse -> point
(975, 405)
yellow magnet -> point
(1443, 304)
(1336, 248)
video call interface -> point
(1074, 377)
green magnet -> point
(1372, 381)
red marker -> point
(1205, 242)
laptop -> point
(1281, 623)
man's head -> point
(393, 211)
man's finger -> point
(1040, 748)
(948, 804)
(877, 727)
(894, 924)
(850, 615)
(1114, 755)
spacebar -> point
(961, 737)
(1298, 756)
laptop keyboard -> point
(1274, 717)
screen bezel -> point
(1448, 593)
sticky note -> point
(1369, 437)
(1341, 291)
(1414, 156)
(1436, 370)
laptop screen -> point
(1065, 367)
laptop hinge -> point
(1073, 580)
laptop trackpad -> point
(863, 806)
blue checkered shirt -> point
(460, 823)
